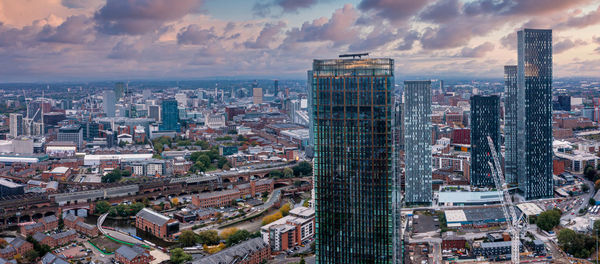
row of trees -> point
(302, 169)
(209, 160)
(231, 236)
(115, 175)
(283, 211)
(576, 244)
(119, 210)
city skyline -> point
(92, 40)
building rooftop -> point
(130, 253)
(60, 170)
(152, 216)
(64, 234)
(530, 209)
(39, 236)
(234, 253)
(9, 184)
(216, 194)
(470, 197)
(303, 212)
(86, 226)
(50, 258)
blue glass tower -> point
(170, 115)
(485, 121)
(510, 123)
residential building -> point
(353, 145)
(417, 142)
(16, 246)
(109, 101)
(86, 229)
(16, 125)
(64, 238)
(216, 199)
(252, 251)
(292, 230)
(156, 224)
(50, 258)
(485, 122)
(132, 255)
(510, 123)
(493, 249)
(534, 118)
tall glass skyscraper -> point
(109, 102)
(534, 117)
(357, 213)
(510, 123)
(485, 121)
(170, 115)
(417, 142)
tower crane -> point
(507, 204)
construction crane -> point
(507, 203)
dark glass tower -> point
(510, 123)
(355, 187)
(534, 117)
(170, 115)
(417, 142)
(485, 121)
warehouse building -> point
(475, 217)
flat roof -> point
(530, 209)
(455, 216)
(9, 184)
(470, 197)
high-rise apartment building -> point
(109, 102)
(357, 218)
(170, 115)
(275, 87)
(16, 125)
(257, 95)
(510, 124)
(119, 90)
(534, 116)
(485, 122)
(417, 142)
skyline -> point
(191, 39)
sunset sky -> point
(73, 40)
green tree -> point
(285, 209)
(237, 237)
(61, 223)
(303, 168)
(188, 238)
(209, 237)
(275, 174)
(302, 261)
(31, 256)
(102, 207)
(585, 187)
(288, 173)
(178, 256)
(548, 219)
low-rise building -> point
(49, 222)
(31, 228)
(64, 238)
(132, 255)
(253, 251)
(493, 249)
(156, 224)
(216, 199)
(86, 229)
(71, 220)
(50, 258)
(450, 241)
(57, 174)
(44, 239)
(254, 188)
(16, 246)
(291, 230)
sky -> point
(78, 40)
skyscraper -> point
(154, 112)
(109, 102)
(485, 121)
(257, 95)
(71, 133)
(119, 90)
(510, 123)
(16, 125)
(534, 117)
(355, 188)
(170, 115)
(417, 142)
(275, 87)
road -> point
(114, 233)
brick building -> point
(57, 174)
(216, 199)
(156, 224)
(32, 228)
(254, 188)
(71, 220)
(452, 242)
(49, 222)
(64, 238)
(86, 229)
(252, 251)
(131, 255)
(16, 246)
(290, 231)
(44, 239)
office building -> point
(417, 142)
(16, 125)
(147, 94)
(71, 133)
(109, 102)
(485, 122)
(563, 103)
(257, 95)
(534, 118)
(119, 90)
(154, 112)
(156, 224)
(170, 115)
(355, 187)
(275, 87)
(510, 123)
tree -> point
(31, 256)
(271, 218)
(578, 245)
(285, 209)
(288, 173)
(592, 201)
(585, 187)
(596, 227)
(238, 236)
(209, 237)
(590, 173)
(178, 256)
(188, 238)
(275, 174)
(102, 207)
(3, 243)
(175, 201)
(302, 261)
(597, 185)
(302, 169)
(228, 232)
(61, 223)
(548, 219)
(122, 144)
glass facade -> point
(534, 116)
(417, 142)
(485, 121)
(510, 123)
(357, 214)
(170, 115)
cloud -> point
(137, 17)
(564, 45)
(441, 11)
(586, 20)
(76, 4)
(194, 35)
(519, 7)
(339, 29)
(378, 37)
(267, 35)
(408, 40)
(476, 52)
(394, 10)
(263, 9)
(125, 50)
(510, 41)
(75, 30)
